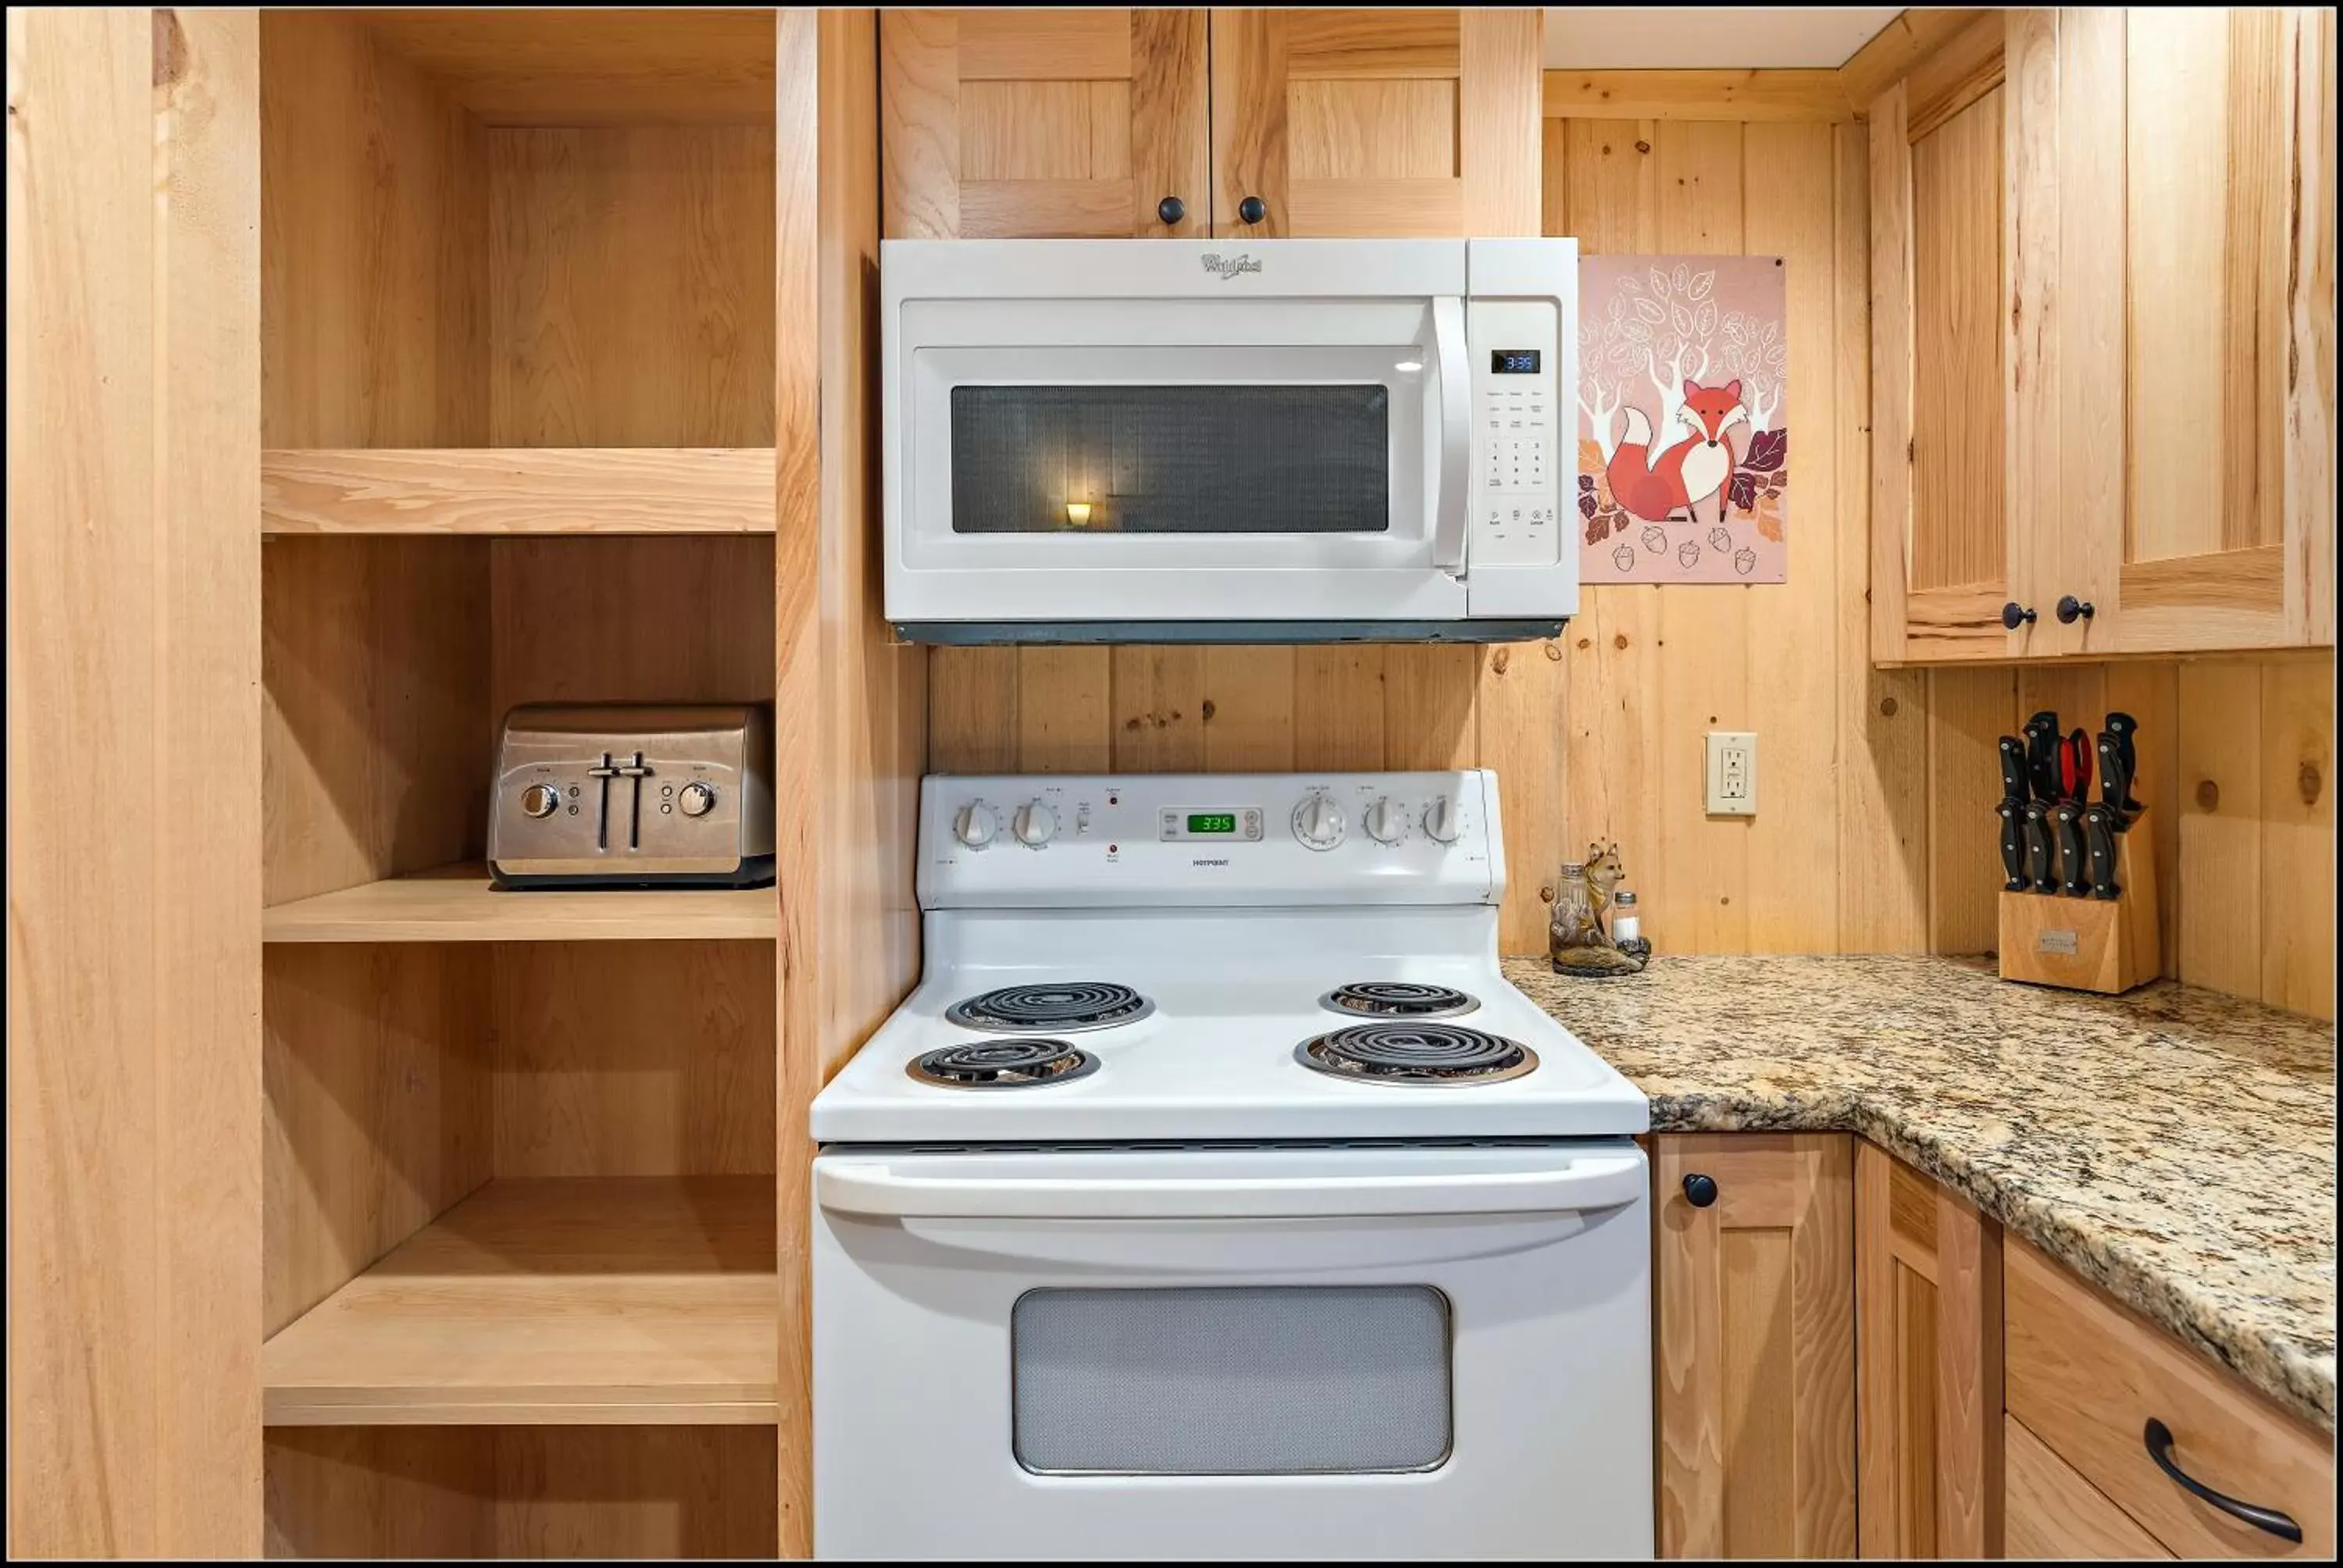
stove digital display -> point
(1220, 824)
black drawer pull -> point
(1700, 1190)
(2159, 1449)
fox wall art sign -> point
(1683, 441)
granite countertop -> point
(2176, 1146)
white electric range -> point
(1215, 1195)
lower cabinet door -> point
(1928, 1269)
(1754, 1267)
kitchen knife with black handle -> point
(2066, 821)
(2124, 728)
(2100, 825)
(2013, 784)
(2014, 792)
(2115, 782)
(2039, 850)
(2012, 812)
(2042, 755)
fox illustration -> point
(1659, 488)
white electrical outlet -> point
(1732, 773)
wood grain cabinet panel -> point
(133, 656)
(2102, 336)
(1928, 1272)
(1940, 560)
(1755, 1345)
(1044, 123)
(2086, 1375)
(2052, 1512)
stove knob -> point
(1318, 823)
(976, 826)
(540, 800)
(1439, 822)
(1036, 823)
(1385, 821)
(697, 799)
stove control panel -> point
(1233, 840)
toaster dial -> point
(540, 800)
(697, 799)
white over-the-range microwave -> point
(1286, 440)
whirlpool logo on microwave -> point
(1227, 266)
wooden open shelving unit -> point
(520, 442)
(644, 1301)
(455, 903)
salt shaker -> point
(1627, 920)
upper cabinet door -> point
(1940, 557)
(1375, 122)
(1044, 124)
(2230, 123)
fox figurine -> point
(1660, 488)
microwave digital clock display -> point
(1515, 361)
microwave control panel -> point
(1517, 425)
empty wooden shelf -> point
(518, 490)
(608, 1300)
(455, 904)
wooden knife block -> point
(2105, 945)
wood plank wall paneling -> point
(2237, 765)
(133, 654)
(1654, 668)
(1599, 732)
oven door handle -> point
(1452, 479)
(1578, 1184)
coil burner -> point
(1004, 1064)
(1416, 1055)
(1072, 1005)
(1397, 998)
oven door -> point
(1368, 1351)
(1093, 460)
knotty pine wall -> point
(1876, 831)
(1597, 733)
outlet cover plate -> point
(1732, 773)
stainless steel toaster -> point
(633, 795)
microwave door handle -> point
(1580, 1184)
(1453, 479)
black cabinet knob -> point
(1253, 209)
(2015, 615)
(1700, 1190)
(1170, 210)
(2071, 609)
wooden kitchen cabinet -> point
(1940, 565)
(1373, 123)
(1929, 1281)
(1044, 124)
(1753, 1270)
(2102, 337)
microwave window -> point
(1248, 459)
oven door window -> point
(1277, 1380)
(1178, 460)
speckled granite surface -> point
(2176, 1146)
